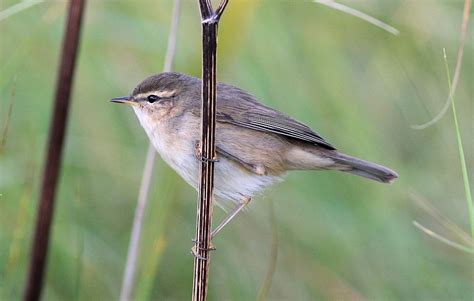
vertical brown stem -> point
(210, 21)
(54, 152)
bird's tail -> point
(363, 168)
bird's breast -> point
(173, 139)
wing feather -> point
(237, 107)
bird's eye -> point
(152, 98)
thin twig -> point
(54, 152)
(16, 8)
(209, 21)
(132, 255)
(359, 14)
(457, 70)
(443, 239)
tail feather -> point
(364, 168)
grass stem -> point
(467, 188)
(457, 70)
(133, 247)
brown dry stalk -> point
(54, 151)
(209, 20)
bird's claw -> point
(199, 156)
(195, 249)
(194, 252)
(204, 159)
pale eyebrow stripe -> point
(159, 93)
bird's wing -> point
(258, 169)
(237, 107)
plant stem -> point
(462, 158)
(132, 254)
(465, 176)
(210, 20)
(16, 8)
(457, 70)
(54, 152)
(272, 260)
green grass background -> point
(339, 237)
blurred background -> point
(333, 236)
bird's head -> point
(160, 95)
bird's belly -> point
(231, 181)
(181, 158)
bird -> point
(256, 145)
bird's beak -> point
(125, 99)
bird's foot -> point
(198, 155)
(195, 250)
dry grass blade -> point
(6, 125)
(444, 221)
(267, 282)
(457, 70)
(8, 12)
(443, 239)
(132, 255)
(359, 14)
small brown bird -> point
(256, 145)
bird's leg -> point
(242, 204)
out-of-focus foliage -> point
(339, 237)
